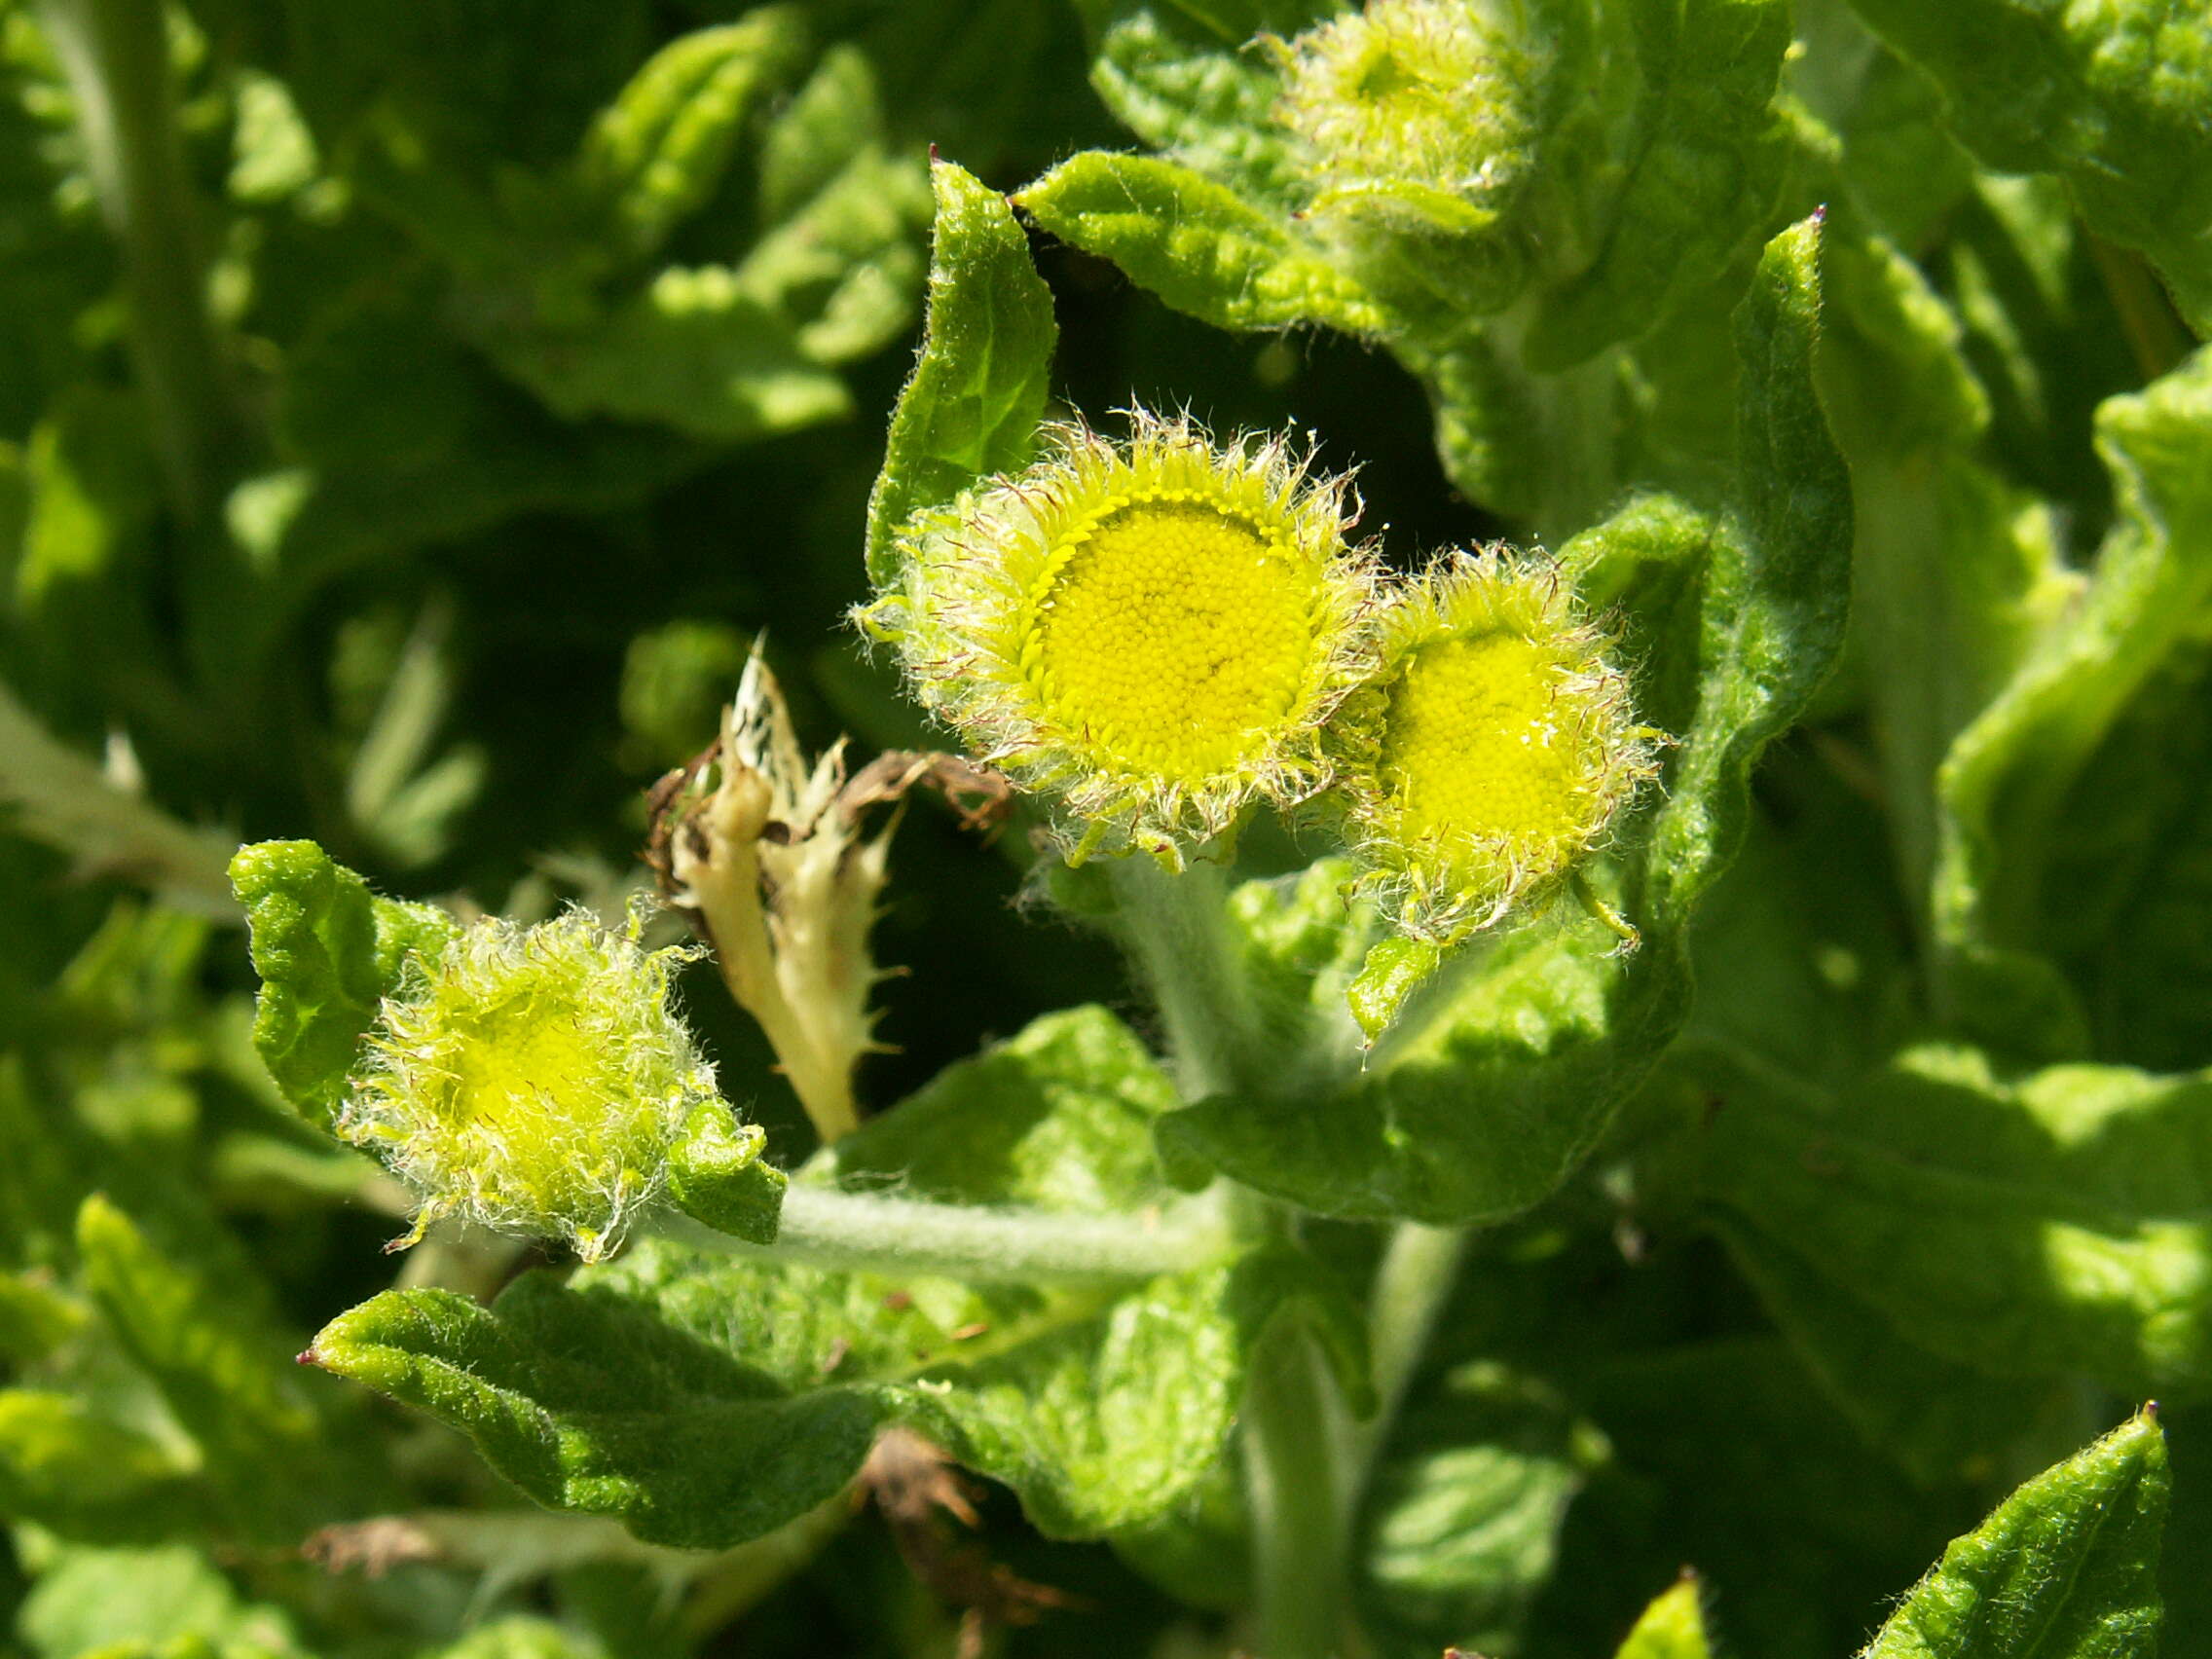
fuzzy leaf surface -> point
(2067, 1566)
(1200, 247)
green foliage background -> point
(550, 353)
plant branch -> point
(1171, 924)
(116, 55)
(1412, 1284)
(1292, 1429)
(826, 1227)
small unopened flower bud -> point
(1493, 750)
(531, 1080)
(1413, 124)
(1151, 633)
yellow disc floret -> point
(530, 1080)
(1176, 634)
(1153, 631)
(1492, 749)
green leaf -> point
(2067, 1566)
(327, 952)
(1501, 1075)
(2109, 97)
(2006, 777)
(1699, 180)
(1673, 1627)
(977, 391)
(68, 1468)
(715, 1175)
(1200, 94)
(1956, 570)
(656, 154)
(692, 351)
(166, 1601)
(704, 1401)
(223, 1378)
(1197, 244)
(2039, 1227)
(1462, 1523)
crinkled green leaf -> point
(703, 1401)
(1500, 1075)
(2042, 1227)
(1185, 86)
(1699, 179)
(1197, 244)
(1673, 1627)
(327, 952)
(2067, 1568)
(2110, 96)
(977, 391)
(715, 1175)
(1462, 1523)
(656, 154)
(2007, 776)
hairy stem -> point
(116, 55)
(1293, 1430)
(828, 1227)
(1172, 925)
(1412, 1284)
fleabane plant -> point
(531, 1080)
(1492, 751)
(1150, 633)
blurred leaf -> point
(224, 1379)
(693, 351)
(168, 1601)
(2036, 1228)
(1547, 1028)
(2111, 97)
(67, 1469)
(978, 392)
(1673, 1627)
(654, 155)
(2066, 1567)
(704, 1402)
(2006, 775)
(326, 952)
(1460, 1526)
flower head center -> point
(1169, 636)
(1486, 742)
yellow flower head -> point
(531, 1080)
(1153, 631)
(1492, 748)
(1422, 93)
